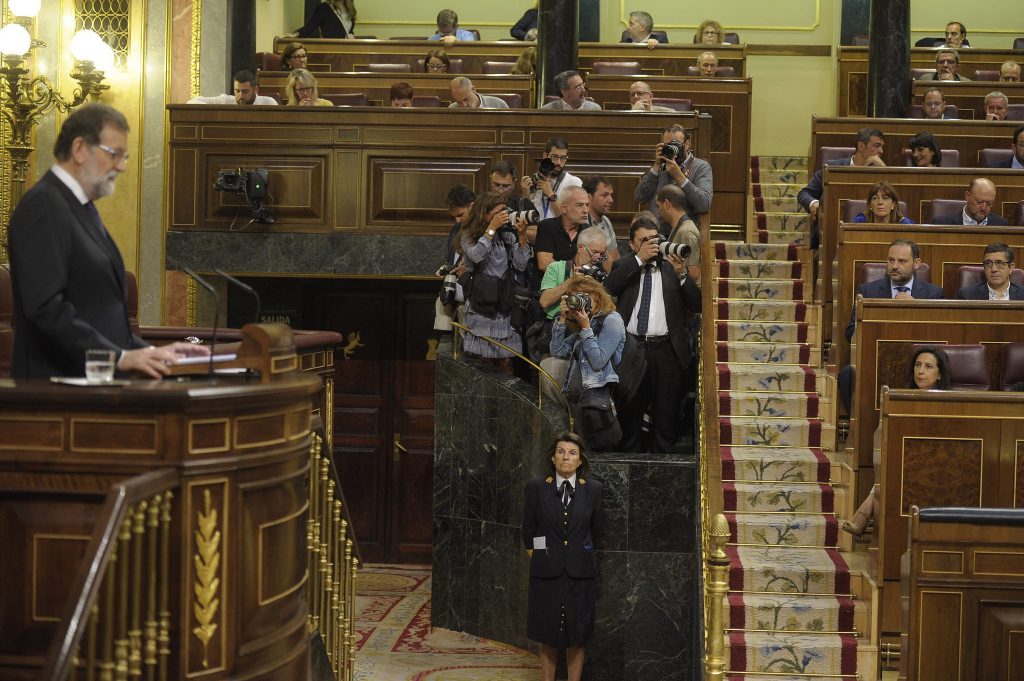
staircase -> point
(796, 604)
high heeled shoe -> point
(859, 524)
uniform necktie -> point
(98, 225)
(566, 493)
(901, 289)
(645, 303)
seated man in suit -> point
(67, 274)
(947, 67)
(656, 300)
(870, 145)
(996, 106)
(956, 35)
(574, 94)
(998, 263)
(639, 30)
(900, 284)
(1016, 161)
(641, 98)
(1009, 72)
(980, 196)
(707, 65)
(934, 104)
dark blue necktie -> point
(901, 289)
(566, 493)
(97, 221)
(645, 303)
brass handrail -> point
(135, 520)
(540, 401)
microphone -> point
(216, 311)
(245, 287)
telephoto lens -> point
(666, 247)
(448, 289)
(579, 302)
(532, 217)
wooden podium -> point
(166, 521)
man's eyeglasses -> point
(559, 157)
(995, 264)
(578, 86)
(116, 155)
(498, 187)
(599, 257)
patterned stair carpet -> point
(395, 641)
(790, 610)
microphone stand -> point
(216, 312)
(245, 287)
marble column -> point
(241, 38)
(557, 43)
(889, 88)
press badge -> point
(540, 543)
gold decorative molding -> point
(197, 34)
(207, 564)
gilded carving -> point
(353, 344)
(207, 563)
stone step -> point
(805, 613)
(768, 353)
(773, 497)
(780, 569)
(783, 529)
(776, 464)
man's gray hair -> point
(588, 237)
(562, 79)
(947, 50)
(996, 95)
(644, 18)
(565, 192)
(460, 82)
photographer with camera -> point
(494, 252)
(671, 204)
(590, 334)
(450, 303)
(556, 236)
(543, 186)
(674, 163)
(657, 298)
(591, 252)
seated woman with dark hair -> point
(301, 90)
(294, 56)
(929, 370)
(883, 206)
(436, 61)
(924, 151)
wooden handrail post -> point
(717, 587)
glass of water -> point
(99, 366)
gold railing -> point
(121, 621)
(540, 371)
(332, 564)
(715, 590)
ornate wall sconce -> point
(26, 99)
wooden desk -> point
(966, 595)
(377, 86)
(664, 60)
(943, 248)
(970, 97)
(728, 102)
(368, 170)
(852, 77)
(886, 327)
(916, 186)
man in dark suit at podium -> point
(67, 273)
(980, 196)
(998, 264)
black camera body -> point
(673, 151)
(595, 272)
(580, 302)
(547, 170)
(250, 183)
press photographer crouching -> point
(657, 299)
(589, 333)
(591, 252)
(494, 251)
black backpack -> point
(630, 368)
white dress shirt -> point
(657, 321)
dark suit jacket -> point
(812, 192)
(525, 23)
(980, 292)
(958, 219)
(680, 301)
(324, 22)
(69, 285)
(660, 36)
(880, 288)
(570, 545)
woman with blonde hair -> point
(301, 89)
(330, 19)
(591, 334)
(526, 64)
(708, 33)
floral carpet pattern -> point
(790, 609)
(396, 642)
